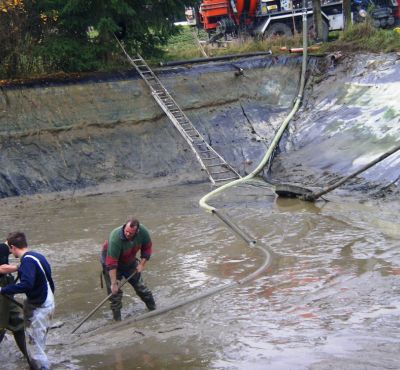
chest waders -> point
(11, 318)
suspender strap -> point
(39, 264)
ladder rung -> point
(227, 179)
(169, 105)
(215, 165)
(219, 172)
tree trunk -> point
(347, 13)
(317, 19)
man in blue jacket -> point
(36, 282)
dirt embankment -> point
(82, 134)
(350, 116)
(76, 134)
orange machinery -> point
(240, 11)
(211, 11)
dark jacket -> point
(33, 281)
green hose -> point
(251, 242)
(224, 218)
(203, 201)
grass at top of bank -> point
(365, 37)
(190, 43)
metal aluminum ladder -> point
(218, 170)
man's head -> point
(4, 252)
(131, 227)
(17, 242)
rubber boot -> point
(19, 337)
(116, 315)
(150, 303)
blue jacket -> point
(32, 279)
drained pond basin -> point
(329, 300)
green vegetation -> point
(365, 37)
(359, 37)
(191, 43)
(45, 37)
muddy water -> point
(329, 300)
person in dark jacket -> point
(119, 261)
(10, 313)
(37, 283)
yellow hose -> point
(203, 201)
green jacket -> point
(121, 252)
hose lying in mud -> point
(230, 223)
(294, 191)
(214, 59)
(185, 301)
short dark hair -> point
(4, 252)
(17, 239)
(132, 222)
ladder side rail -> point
(197, 132)
(142, 75)
(155, 81)
(223, 160)
(172, 118)
(186, 137)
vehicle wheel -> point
(312, 34)
(278, 29)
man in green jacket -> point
(119, 261)
(11, 317)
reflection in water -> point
(331, 293)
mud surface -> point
(329, 300)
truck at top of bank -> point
(268, 18)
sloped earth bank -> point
(330, 300)
(69, 136)
(350, 116)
